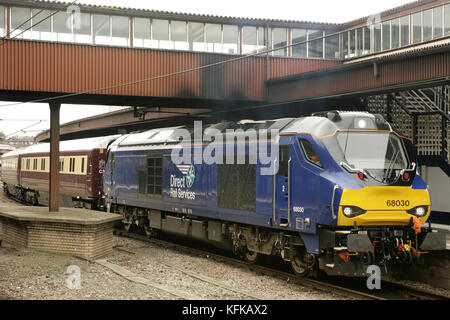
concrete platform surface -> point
(65, 215)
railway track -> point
(315, 284)
(391, 290)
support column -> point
(54, 157)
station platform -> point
(79, 232)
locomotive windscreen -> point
(368, 150)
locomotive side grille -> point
(236, 186)
(154, 175)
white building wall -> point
(439, 186)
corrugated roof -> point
(171, 15)
(406, 7)
(214, 18)
(409, 50)
(400, 54)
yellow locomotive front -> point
(382, 210)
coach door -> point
(282, 188)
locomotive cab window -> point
(283, 154)
(310, 153)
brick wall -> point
(89, 241)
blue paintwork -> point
(418, 182)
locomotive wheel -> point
(299, 267)
(148, 231)
(251, 257)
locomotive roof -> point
(319, 124)
(69, 145)
(326, 123)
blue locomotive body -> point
(296, 210)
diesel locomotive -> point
(341, 191)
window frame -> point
(306, 156)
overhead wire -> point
(40, 121)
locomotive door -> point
(282, 188)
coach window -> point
(427, 24)
(89, 167)
(359, 41)
(102, 30)
(345, 44)
(35, 164)
(42, 27)
(299, 36)
(417, 27)
(386, 44)
(142, 33)
(310, 153)
(82, 165)
(120, 31)
(279, 40)
(438, 21)
(61, 165)
(72, 165)
(377, 37)
(249, 37)
(352, 43)
(213, 37)
(28, 164)
(178, 35)
(83, 30)
(332, 47)
(20, 21)
(230, 39)
(2, 21)
(43, 164)
(160, 34)
(60, 30)
(447, 19)
(366, 41)
(196, 36)
(404, 31)
(315, 47)
(395, 31)
(262, 41)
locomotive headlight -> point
(362, 124)
(348, 211)
(352, 211)
(419, 211)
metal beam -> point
(54, 157)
